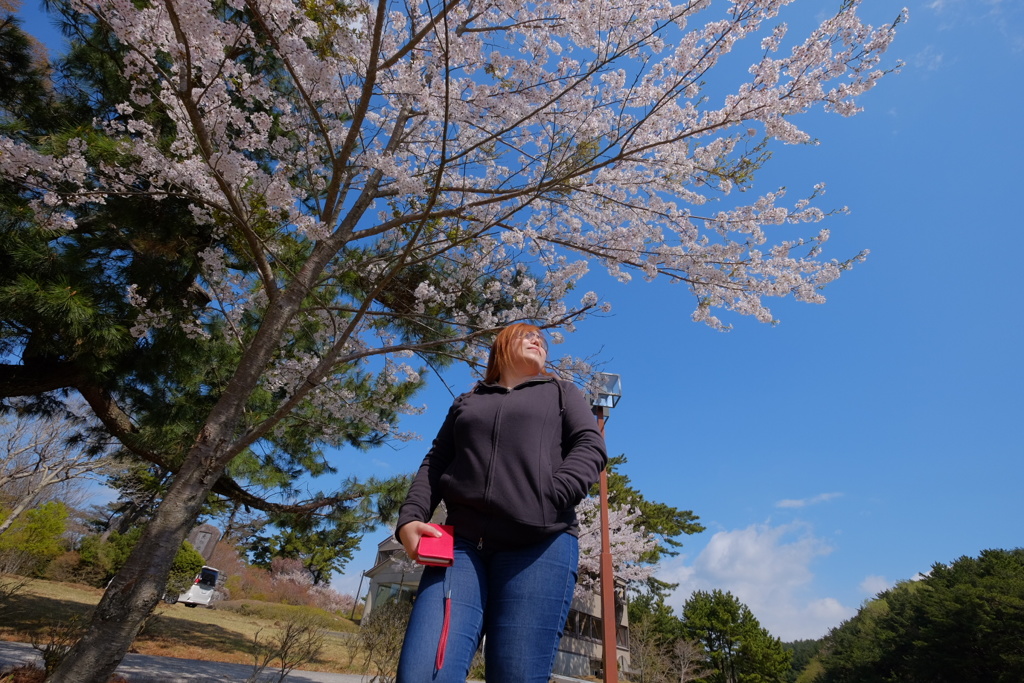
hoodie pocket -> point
(463, 483)
(526, 494)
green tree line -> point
(963, 622)
(717, 639)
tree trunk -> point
(139, 585)
(14, 514)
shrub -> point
(99, 559)
(57, 641)
(382, 634)
(10, 586)
(300, 641)
(187, 564)
(34, 539)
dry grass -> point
(224, 634)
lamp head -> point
(607, 390)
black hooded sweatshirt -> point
(510, 464)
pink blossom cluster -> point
(494, 151)
(630, 542)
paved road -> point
(150, 669)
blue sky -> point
(860, 441)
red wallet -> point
(440, 551)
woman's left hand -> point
(410, 534)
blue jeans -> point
(518, 598)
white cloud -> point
(873, 585)
(828, 610)
(998, 14)
(768, 568)
(804, 502)
(928, 59)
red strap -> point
(442, 644)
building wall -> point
(393, 575)
(204, 539)
(581, 650)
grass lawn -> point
(222, 634)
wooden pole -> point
(608, 620)
(356, 603)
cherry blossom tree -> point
(630, 544)
(368, 181)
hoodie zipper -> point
(495, 435)
(494, 449)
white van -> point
(201, 592)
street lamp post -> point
(607, 392)
(356, 602)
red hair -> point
(501, 350)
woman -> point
(511, 461)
